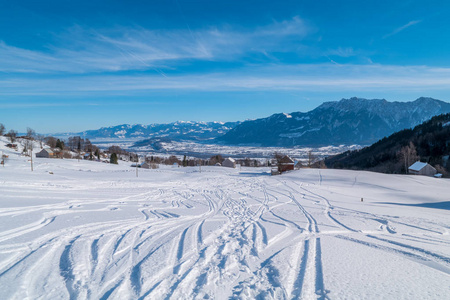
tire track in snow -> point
(199, 233)
(312, 223)
(109, 292)
(180, 250)
(287, 221)
(135, 274)
(406, 254)
(16, 261)
(263, 231)
(6, 235)
(328, 209)
(94, 251)
(254, 250)
(412, 248)
(49, 239)
(319, 284)
(298, 282)
(427, 238)
(66, 270)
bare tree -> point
(12, 134)
(171, 160)
(441, 170)
(30, 133)
(40, 138)
(88, 147)
(2, 129)
(278, 157)
(408, 155)
(28, 150)
(311, 158)
(216, 159)
(51, 141)
(115, 149)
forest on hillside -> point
(428, 142)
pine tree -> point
(184, 161)
(113, 159)
(97, 153)
(60, 144)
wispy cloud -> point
(86, 50)
(342, 52)
(401, 28)
(337, 78)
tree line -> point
(428, 142)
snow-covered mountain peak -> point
(348, 121)
(182, 130)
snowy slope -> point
(96, 231)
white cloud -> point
(323, 77)
(87, 51)
(401, 28)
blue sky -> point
(77, 65)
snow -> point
(302, 118)
(120, 132)
(417, 166)
(298, 134)
(231, 160)
(136, 133)
(96, 231)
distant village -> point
(80, 148)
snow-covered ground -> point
(96, 231)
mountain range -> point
(345, 122)
(180, 130)
(348, 121)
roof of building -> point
(48, 150)
(230, 159)
(286, 160)
(417, 166)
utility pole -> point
(31, 158)
(137, 162)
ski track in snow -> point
(192, 235)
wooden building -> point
(286, 164)
(46, 153)
(421, 168)
(229, 163)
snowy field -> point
(95, 231)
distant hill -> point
(430, 140)
(180, 130)
(348, 122)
